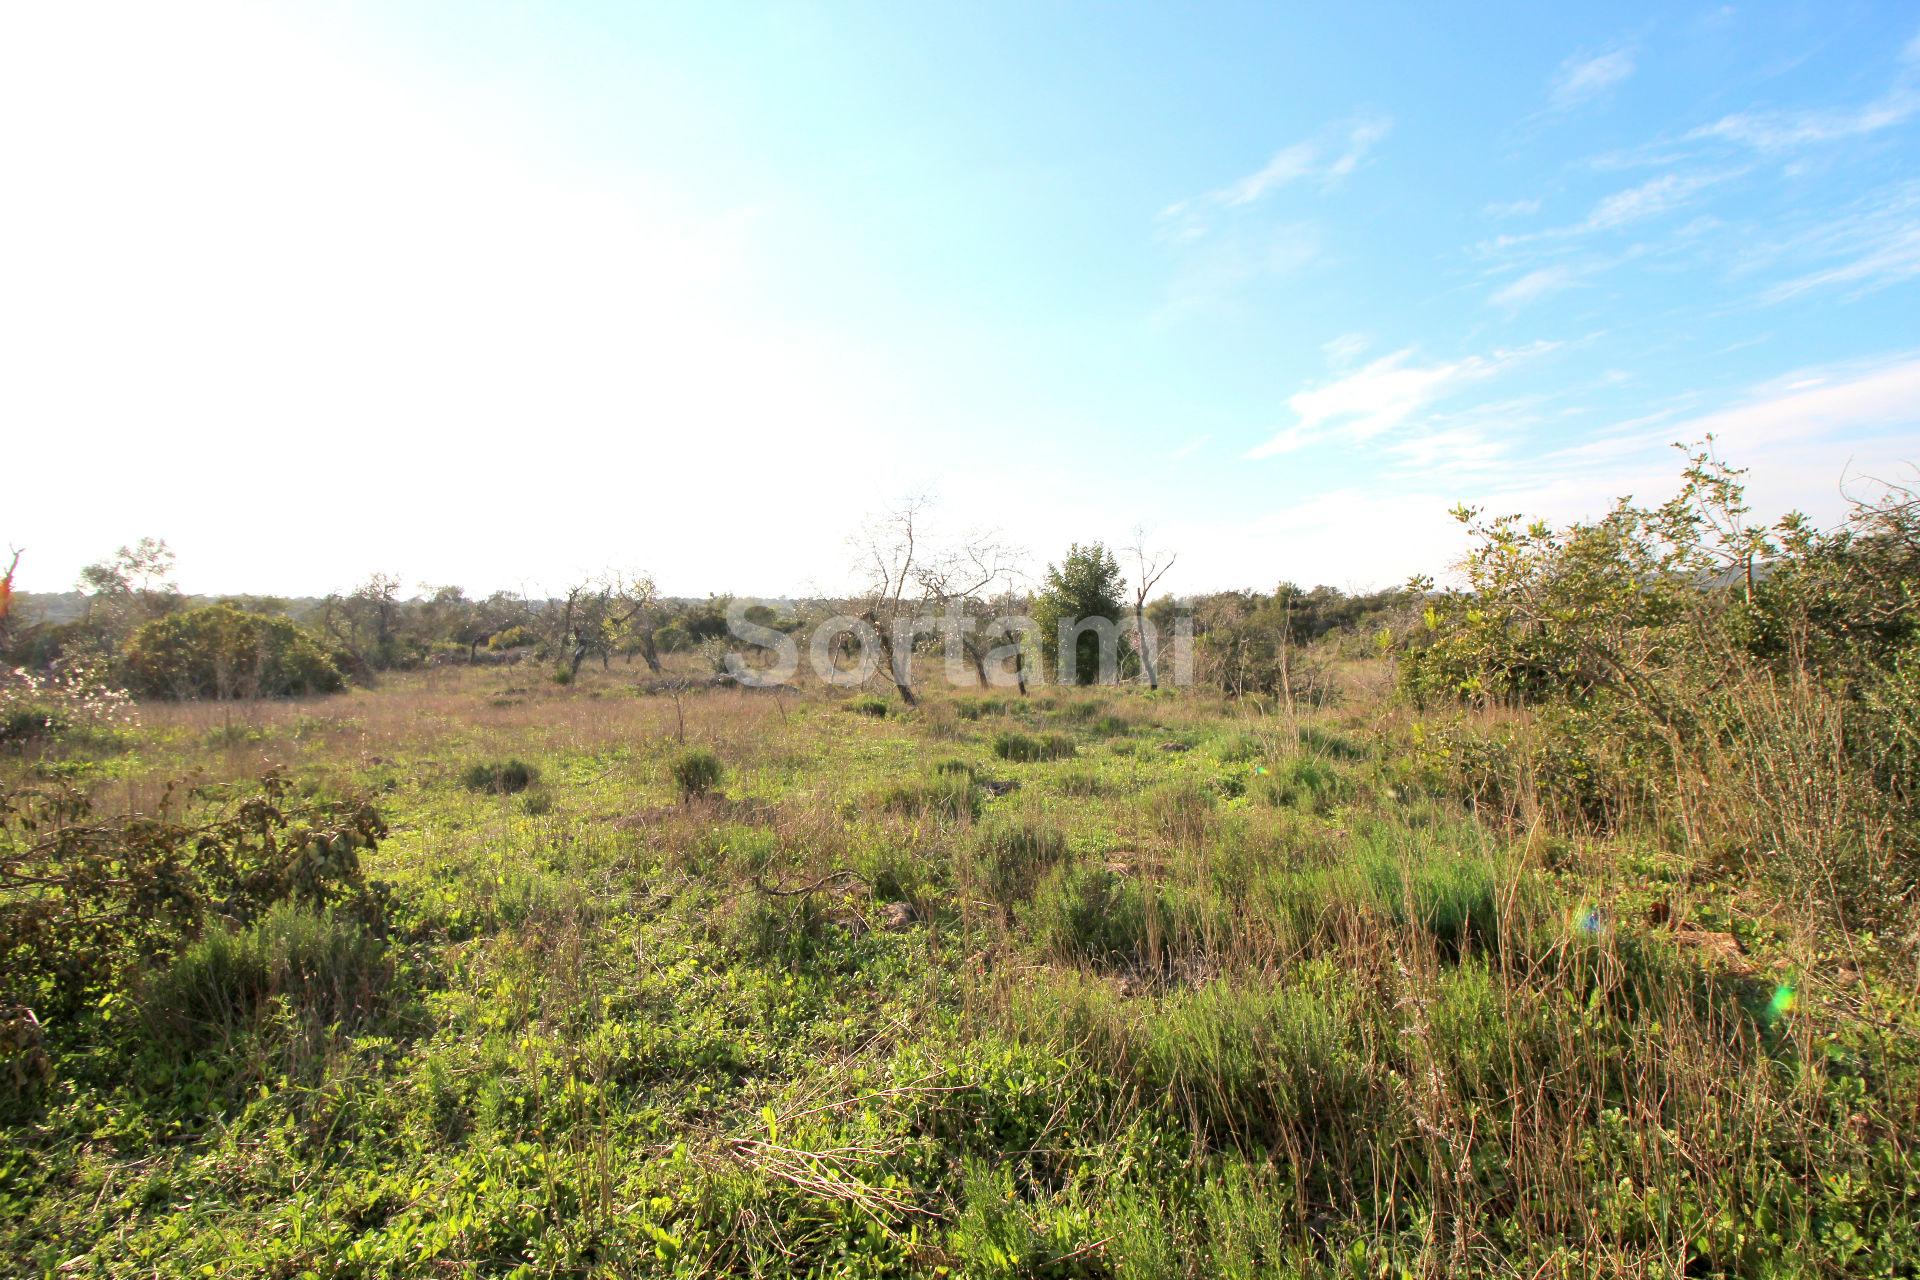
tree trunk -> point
(1146, 653)
(1020, 669)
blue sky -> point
(498, 295)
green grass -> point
(916, 995)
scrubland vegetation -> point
(1559, 925)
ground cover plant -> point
(1567, 931)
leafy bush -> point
(1302, 782)
(696, 771)
(948, 795)
(514, 637)
(868, 705)
(1026, 748)
(86, 900)
(222, 652)
(326, 964)
(501, 777)
(1094, 914)
(1013, 854)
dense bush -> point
(696, 772)
(1026, 747)
(502, 777)
(223, 652)
(86, 900)
(1673, 648)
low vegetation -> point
(1568, 930)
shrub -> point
(222, 652)
(1180, 811)
(1094, 914)
(952, 796)
(696, 771)
(1012, 855)
(501, 777)
(323, 963)
(1025, 747)
(511, 638)
(1302, 782)
(868, 705)
(106, 895)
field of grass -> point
(1093, 983)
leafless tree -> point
(889, 549)
(956, 581)
(1151, 569)
(601, 613)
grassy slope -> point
(1267, 1002)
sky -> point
(505, 295)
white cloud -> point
(1345, 349)
(1784, 129)
(1798, 435)
(1190, 448)
(1874, 244)
(1326, 158)
(1534, 285)
(1513, 208)
(1581, 80)
(1382, 396)
(1655, 196)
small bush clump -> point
(1024, 748)
(696, 772)
(869, 705)
(1013, 855)
(323, 963)
(948, 795)
(501, 777)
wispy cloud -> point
(1781, 130)
(1512, 208)
(1649, 199)
(1190, 448)
(1668, 191)
(1342, 351)
(1384, 395)
(1582, 79)
(1773, 130)
(1212, 273)
(1534, 286)
(1871, 246)
(1326, 158)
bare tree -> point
(956, 581)
(889, 549)
(1151, 570)
(601, 613)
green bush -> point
(1302, 782)
(1026, 747)
(115, 893)
(696, 771)
(324, 964)
(24, 724)
(501, 777)
(222, 652)
(1013, 854)
(1093, 914)
(952, 796)
(868, 705)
